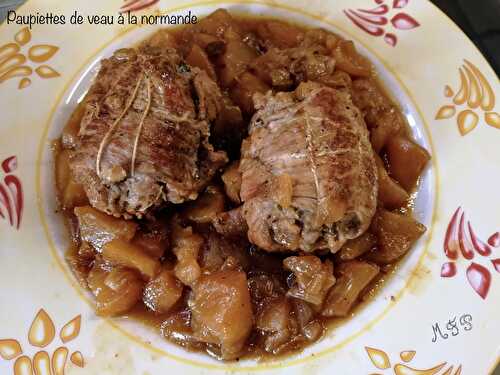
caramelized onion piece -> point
(312, 331)
(63, 172)
(304, 313)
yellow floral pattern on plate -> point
(381, 361)
(14, 63)
(42, 333)
(476, 94)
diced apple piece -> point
(116, 291)
(177, 328)
(212, 45)
(186, 247)
(63, 173)
(313, 278)
(354, 277)
(80, 262)
(154, 245)
(388, 123)
(217, 23)
(122, 253)
(280, 34)
(389, 192)
(206, 207)
(357, 246)
(162, 39)
(236, 59)
(246, 86)
(222, 311)
(407, 160)
(97, 228)
(396, 234)
(74, 195)
(276, 323)
(162, 292)
(198, 57)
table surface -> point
(479, 19)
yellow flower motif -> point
(42, 333)
(475, 93)
(13, 62)
(381, 361)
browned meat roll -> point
(309, 178)
(143, 139)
